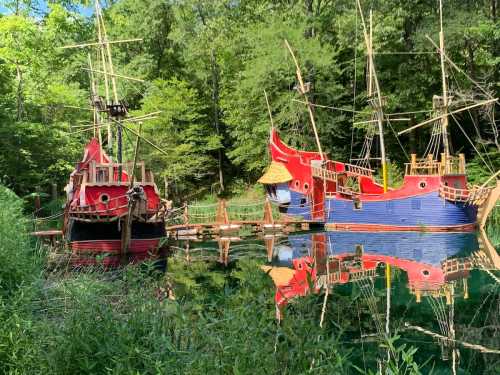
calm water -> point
(438, 291)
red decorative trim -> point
(398, 228)
(113, 246)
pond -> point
(436, 292)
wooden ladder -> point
(488, 205)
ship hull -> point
(105, 238)
(426, 212)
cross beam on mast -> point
(100, 43)
(306, 99)
(115, 75)
(484, 102)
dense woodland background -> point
(207, 63)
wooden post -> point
(186, 213)
(269, 241)
(413, 163)
(224, 245)
(461, 163)
(268, 212)
(443, 163)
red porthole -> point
(422, 184)
(306, 186)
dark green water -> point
(440, 293)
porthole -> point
(104, 198)
(422, 184)
(297, 183)
(306, 186)
(357, 204)
(425, 272)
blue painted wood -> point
(428, 248)
(423, 210)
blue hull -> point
(427, 210)
(428, 248)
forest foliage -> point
(206, 65)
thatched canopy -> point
(276, 174)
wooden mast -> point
(116, 102)
(444, 118)
(104, 69)
(306, 99)
(373, 79)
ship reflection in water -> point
(431, 261)
(440, 285)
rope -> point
(480, 348)
(49, 217)
(475, 148)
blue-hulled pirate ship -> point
(435, 194)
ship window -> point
(299, 266)
(306, 186)
(297, 183)
(357, 204)
(416, 204)
(422, 184)
(104, 198)
(425, 272)
(271, 191)
(359, 250)
(303, 202)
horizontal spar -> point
(101, 43)
(449, 113)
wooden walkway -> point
(227, 217)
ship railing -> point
(346, 190)
(359, 274)
(474, 196)
(357, 170)
(323, 173)
(453, 194)
(454, 265)
(451, 165)
(107, 174)
(478, 195)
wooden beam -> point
(100, 43)
(115, 75)
(484, 102)
(303, 91)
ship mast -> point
(375, 100)
(116, 109)
(303, 90)
(444, 109)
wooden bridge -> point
(232, 217)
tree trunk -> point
(19, 94)
(215, 101)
